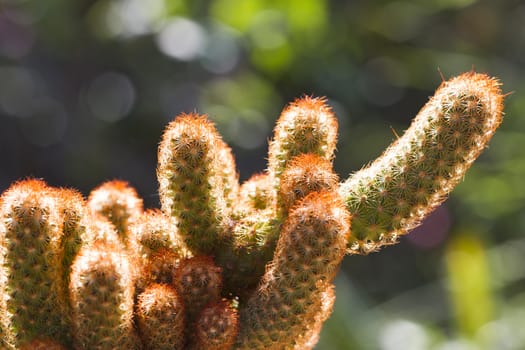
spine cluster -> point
(221, 265)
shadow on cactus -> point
(223, 266)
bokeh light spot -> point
(182, 39)
(110, 97)
(222, 52)
(403, 334)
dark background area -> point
(87, 86)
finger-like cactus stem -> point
(160, 317)
(310, 338)
(102, 290)
(197, 180)
(305, 126)
(310, 249)
(30, 281)
(417, 172)
(73, 215)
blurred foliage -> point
(87, 86)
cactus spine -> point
(224, 266)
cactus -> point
(31, 264)
(160, 317)
(102, 298)
(417, 172)
(226, 266)
(216, 327)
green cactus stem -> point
(119, 203)
(416, 173)
(256, 193)
(305, 126)
(198, 180)
(160, 317)
(310, 249)
(156, 231)
(102, 290)
(31, 264)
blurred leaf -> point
(469, 283)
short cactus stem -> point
(256, 193)
(154, 231)
(305, 174)
(307, 125)
(160, 317)
(417, 172)
(216, 327)
(119, 203)
(160, 267)
(198, 281)
(102, 289)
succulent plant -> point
(221, 265)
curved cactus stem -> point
(416, 173)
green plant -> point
(225, 266)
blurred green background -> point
(87, 86)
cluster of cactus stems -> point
(221, 265)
